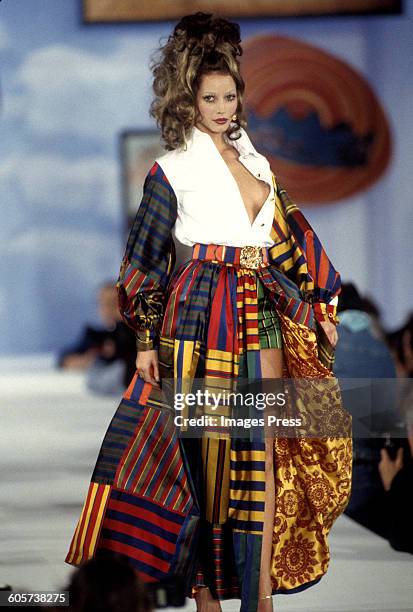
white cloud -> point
(63, 89)
(46, 184)
(4, 37)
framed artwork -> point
(106, 11)
(138, 149)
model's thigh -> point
(271, 362)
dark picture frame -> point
(138, 151)
(115, 11)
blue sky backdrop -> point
(68, 90)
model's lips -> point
(220, 120)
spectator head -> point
(107, 583)
(349, 298)
(108, 304)
(401, 345)
(370, 307)
(406, 407)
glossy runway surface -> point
(51, 431)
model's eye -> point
(231, 97)
(208, 98)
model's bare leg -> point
(271, 367)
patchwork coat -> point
(194, 507)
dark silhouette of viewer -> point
(107, 354)
(362, 352)
(107, 584)
(396, 505)
(401, 345)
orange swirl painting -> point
(315, 117)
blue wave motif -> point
(307, 142)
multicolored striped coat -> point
(150, 257)
(195, 508)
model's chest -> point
(254, 191)
(207, 188)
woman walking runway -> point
(235, 517)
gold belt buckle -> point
(250, 257)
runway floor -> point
(51, 431)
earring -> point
(233, 117)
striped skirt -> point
(194, 507)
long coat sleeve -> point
(148, 260)
(299, 254)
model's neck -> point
(218, 139)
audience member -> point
(401, 345)
(397, 478)
(107, 354)
(107, 584)
(362, 353)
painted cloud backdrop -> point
(67, 90)
(62, 110)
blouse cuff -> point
(147, 340)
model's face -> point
(216, 99)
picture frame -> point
(138, 151)
(115, 11)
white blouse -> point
(210, 206)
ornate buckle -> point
(250, 257)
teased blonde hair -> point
(199, 44)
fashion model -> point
(256, 299)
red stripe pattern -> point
(145, 531)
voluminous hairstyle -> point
(200, 44)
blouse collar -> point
(243, 144)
